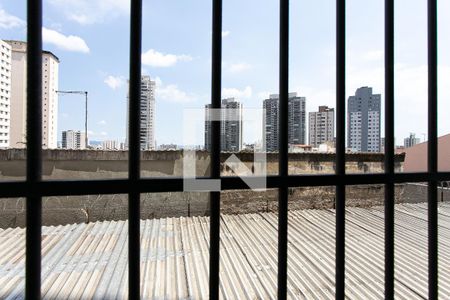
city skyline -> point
(181, 65)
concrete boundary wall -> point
(89, 164)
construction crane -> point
(85, 93)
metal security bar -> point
(432, 152)
(340, 149)
(283, 149)
(389, 188)
(34, 149)
(134, 150)
(34, 188)
(216, 83)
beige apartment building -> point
(50, 69)
(321, 126)
(5, 93)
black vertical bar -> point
(34, 148)
(340, 148)
(389, 196)
(216, 84)
(134, 149)
(283, 149)
(432, 152)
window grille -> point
(34, 188)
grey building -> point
(321, 126)
(364, 121)
(231, 126)
(411, 140)
(73, 139)
(296, 121)
(147, 112)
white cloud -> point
(69, 43)
(225, 33)
(114, 82)
(236, 93)
(172, 93)
(154, 58)
(8, 21)
(239, 67)
(102, 122)
(87, 12)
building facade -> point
(50, 73)
(321, 126)
(231, 126)
(147, 113)
(364, 121)
(296, 121)
(5, 94)
(411, 140)
(73, 139)
(110, 145)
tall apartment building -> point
(231, 126)
(411, 140)
(73, 139)
(363, 121)
(321, 126)
(50, 69)
(5, 94)
(147, 113)
(296, 121)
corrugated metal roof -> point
(86, 261)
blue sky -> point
(91, 40)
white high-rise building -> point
(50, 70)
(364, 121)
(147, 132)
(73, 139)
(321, 126)
(5, 94)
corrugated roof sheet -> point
(85, 261)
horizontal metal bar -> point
(10, 189)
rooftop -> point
(90, 260)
